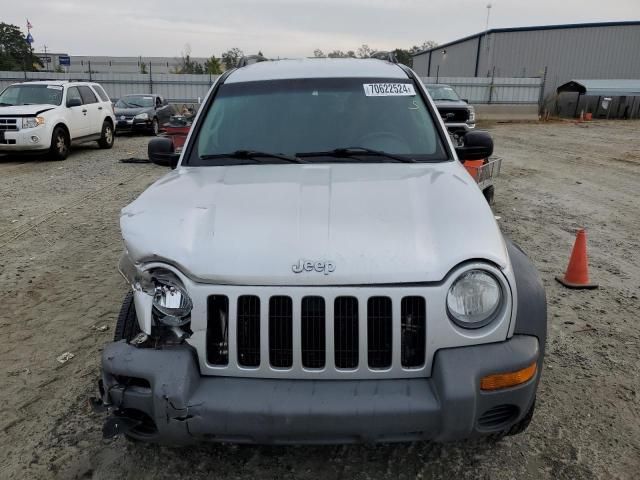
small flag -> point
(29, 39)
(29, 26)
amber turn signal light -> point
(506, 380)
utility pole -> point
(46, 58)
(29, 40)
(486, 38)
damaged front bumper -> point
(160, 396)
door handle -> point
(84, 110)
(99, 108)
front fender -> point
(531, 314)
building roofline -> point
(532, 29)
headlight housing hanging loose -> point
(171, 302)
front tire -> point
(106, 136)
(127, 326)
(60, 144)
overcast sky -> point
(285, 28)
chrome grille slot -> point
(346, 332)
(8, 124)
(280, 332)
(313, 318)
(454, 115)
(413, 321)
(379, 332)
(248, 331)
(218, 330)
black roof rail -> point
(387, 56)
(251, 59)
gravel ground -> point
(60, 289)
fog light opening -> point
(511, 379)
(35, 138)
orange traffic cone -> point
(577, 275)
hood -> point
(451, 104)
(362, 223)
(132, 111)
(25, 110)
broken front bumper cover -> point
(160, 396)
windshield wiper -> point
(2, 104)
(135, 105)
(352, 151)
(252, 155)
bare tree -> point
(318, 53)
(425, 46)
(365, 51)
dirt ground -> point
(59, 289)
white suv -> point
(50, 115)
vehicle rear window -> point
(312, 115)
(101, 93)
(87, 95)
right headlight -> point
(474, 299)
(472, 114)
(171, 301)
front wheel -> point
(106, 136)
(60, 144)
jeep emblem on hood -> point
(321, 266)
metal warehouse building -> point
(565, 52)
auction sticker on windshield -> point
(388, 89)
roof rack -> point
(383, 55)
(250, 60)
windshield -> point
(296, 117)
(443, 92)
(31, 95)
(135, 101)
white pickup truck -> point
(319, 267)
(48, 116)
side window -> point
(87, 95)
(73, 92)
(158, 102)
(101, 93)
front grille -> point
(9, 124)
(343, 334)
(498, 417)
(248, 332)
(454, 115)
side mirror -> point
(465, 100)
(476, 145)
(74, 102)
(162, 152)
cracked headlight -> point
(171, 302)
(474, 299)
(32, 122)
(142, 116)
